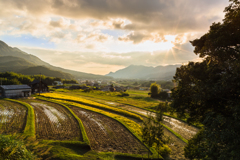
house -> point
(58, 83)
(169, 93)
(15, 91)
(38, 86)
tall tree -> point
(155, 89)
(208, 91)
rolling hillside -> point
(13, 59)
(45, 71)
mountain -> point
(10, 63)
(13, 59)
(145, 72)
(45, 71)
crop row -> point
(132, 126)
(92, 103)
(84, 135)
(30, 130)
(30, 124)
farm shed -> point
(12, 91)
(38, 85)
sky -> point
(100, 36)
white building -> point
(14, 91)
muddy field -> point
(106, 134)
(12, 117)
(54, 122)
(182, 128)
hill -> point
(45, 71)
(145, 72)
(10, 63)
(31, 61)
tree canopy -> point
(155, 89)
(208, 91)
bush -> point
(123, 94)
(164, 150)
(13, 149)
(155, 89)
(163, 95)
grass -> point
(30, 124)
(142, 102)
(139, 101)
(176, 134)
(66, 150)
(91, 103)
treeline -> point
(12, 78)
(163, 84)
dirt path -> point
(54, 122)
(106, 134)
(12, 117)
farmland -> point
(12, 117)
(178, 126)
(62, 119)
(105, 134)
(53, 122)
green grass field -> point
(133, 99)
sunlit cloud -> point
(108, 33)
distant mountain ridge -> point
(145, 72)
(13, 59)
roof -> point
(13, 87)
(35, 81)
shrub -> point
(163, 95)
(155, 89)
(13, 149)
(123, 94)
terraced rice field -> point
(54, 122)
(106, 134)
(12, 117)
(182, 128)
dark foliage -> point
(208, 91)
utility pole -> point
(40, 84)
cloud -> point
(155, 15)
(76, 60)
(86, 32)
(134, 37)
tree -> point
(155, 89)
(208, 91)
(148, 131)
(152, 129)
(161, 108)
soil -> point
(108, 135)
(12, 117)
(175, 144)
(182, 128)
(54, 122)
